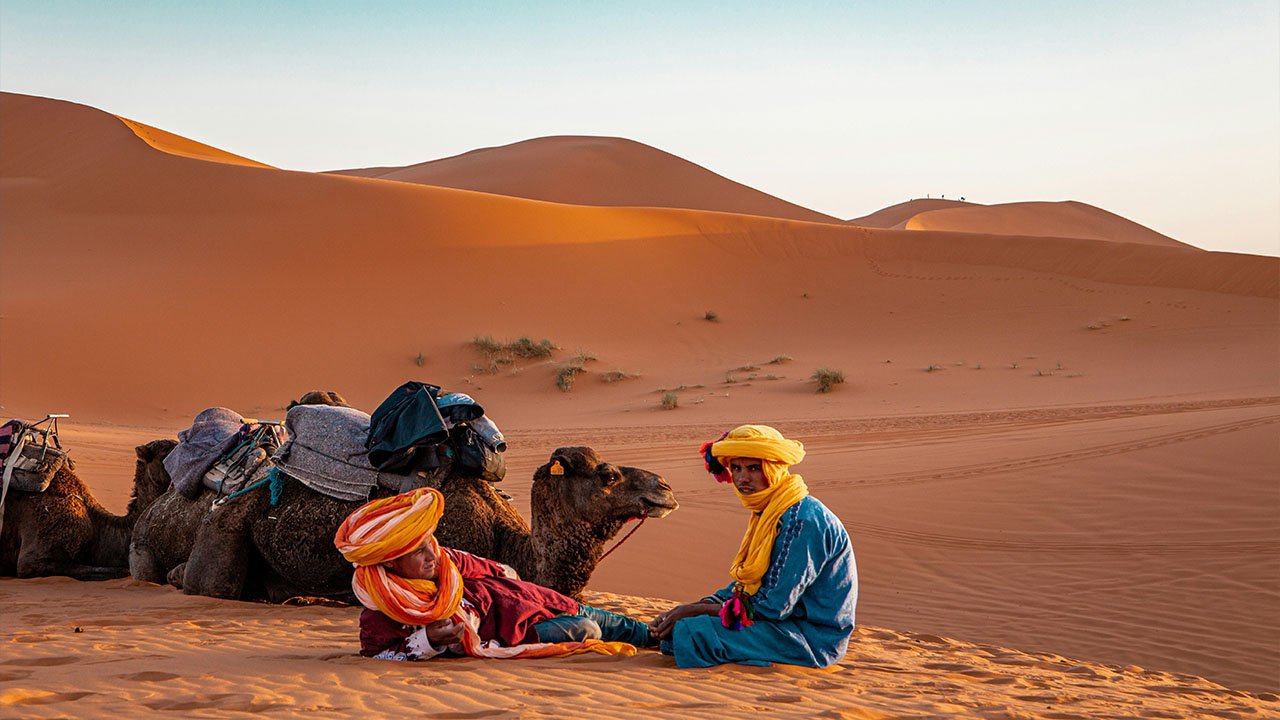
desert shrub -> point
(566, 374)
(933, 367)
(711, 316)
(827, 378)
(779, 359)
(670, 401)
(525, 347)
(498, 353)
(616, 375)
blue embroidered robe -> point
(803, 610)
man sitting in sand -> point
(422, 600)
(794, 580)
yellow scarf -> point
(777, 454)
(766, 506)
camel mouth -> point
(658, 508)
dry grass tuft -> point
(827, 378)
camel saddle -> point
(248, 459)
(326, 451)
(31, 460)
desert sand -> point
(1055, 452)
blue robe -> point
(803, 609)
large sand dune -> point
(593, 171)
(1064, 445)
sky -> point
(1166, 112)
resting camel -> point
(248, 547)
(66, 531)
(166, 532)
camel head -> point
(150, 479)
(320, 397)
(599, 493)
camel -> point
(249, 549)
(165, 534)
(66, 531)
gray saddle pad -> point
(326, 452)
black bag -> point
(405, 430)
(474, 458)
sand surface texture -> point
(1054, 435)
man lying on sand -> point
(422, 600)
(794, 580)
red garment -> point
(508, 609)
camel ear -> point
(560, 464)
(145, 453)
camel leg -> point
(219, 560)
(176, 575)
(37, 564)
(143, 564)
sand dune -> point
(1058, 219)
(1062, 445)
(593, 171)
(895, 215)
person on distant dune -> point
(422, 599)
(795, 582)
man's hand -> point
(444, 632)
(662, 625)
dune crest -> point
(895, 215)
(168, 142)
(586, 170)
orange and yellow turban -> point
(385, 529)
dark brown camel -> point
(65, 531)
(164, 536)
(249, 547)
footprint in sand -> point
(149, 676)
(853, 713)
(234, 702)
(428, 681)
(780, 698)
(42, 662)
(553, 693)
(109, 646)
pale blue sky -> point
(1165, 112)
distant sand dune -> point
(895, 215)
(1044, 219)
(593, 171)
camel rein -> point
(618, 544)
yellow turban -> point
(767, 506)
(385, 529)
(759, 441)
